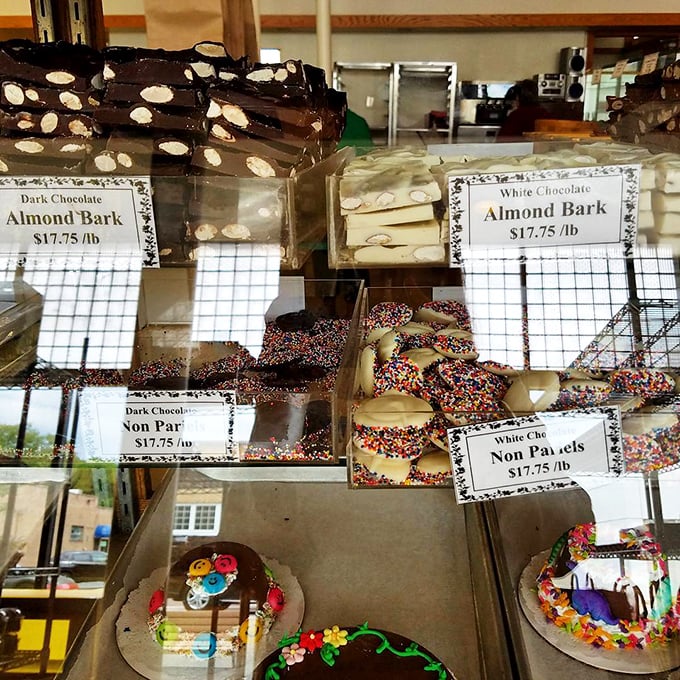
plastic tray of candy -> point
(291, 399)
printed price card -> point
(534, 453)
(544, 208)
(649, 63)
(619, 68)
(596, 77)
(158, 427)
(56, 216)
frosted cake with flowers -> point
(612, 595)
(351, 653)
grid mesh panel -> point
(566, 305)
(235, 284)
(86, 300)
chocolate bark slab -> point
(158, 94)
(67, 148)
(53, 123)
(150, 117)
(295, 111)
(238, 164)
(13, 93)
(284, 154)
(143, 66)
(19, 165)
(287, 79)
(166, 146)
(393, 186)
(58, 65)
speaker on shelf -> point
(573, 61)
(574, 90)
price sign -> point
(158, 427)
(544, 208)
(649, 63)
(619, 68)
(56, 216)
(596, 77)
(534, 453)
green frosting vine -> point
(329, 652)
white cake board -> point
(146, 656)
(634, 661)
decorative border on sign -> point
(226, 397)
(141, 194)
(458, 201)
(461, 473)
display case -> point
(199, 390)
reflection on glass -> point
(235, 284)
(568, 302)
(88, 302)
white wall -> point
(503, 55)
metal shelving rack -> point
(405, 70)
(368, 69)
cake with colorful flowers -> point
(611, 591)
(350, 653)
(219, 599)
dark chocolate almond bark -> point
(59, 65)
(68, 148)
(167, 146)
(150, 117)
(157, 94)
(19, 165)
(143, 66)
(26, 96)
(295, 111)
(287, 79)
(53, 123)
(238, 164)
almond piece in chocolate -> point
(13, 94)
(174, 148)
(212, 157)
(29, 146)
(211, 49)
(104, 162)
(70, 100)
(218, 131)
(78, 128)
(236, 231)
(202, 69)
(205, 232)
(157, 94)
(262, 75)
(260, 167)
(59, 77)
(141, 115)
(214, 110)
(235, 115)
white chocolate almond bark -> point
(391, 187)
(410, 213)
(413, 233)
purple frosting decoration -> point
(594, 603)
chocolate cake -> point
(223, 597)
(351, 653)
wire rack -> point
(641, 333)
